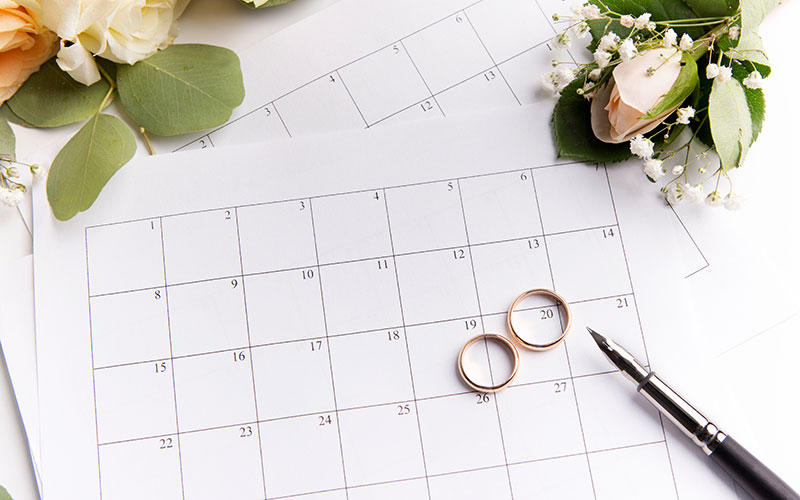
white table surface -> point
(752, 352)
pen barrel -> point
(681, 413)
(752, 475)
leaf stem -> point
(147, 141)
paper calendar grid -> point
(459, 63)
(320, 335)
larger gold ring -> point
(500, 339)
(547, 293)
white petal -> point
(78, 63)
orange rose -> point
(24, 44)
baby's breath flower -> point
(12, 172)
(725, 74)
(678, 169)
(580, 30)
(548, 82)
(642, 21)
(670, 38)
(37, 171)
(641, 147)
(602, 58)
(595, 74)
(591, 11)
(686, 42)
(714, 199)
(685, 114)
(608, 42)
(733, 202)
(733, 33)
(753, 80)
(10, 197)
(564, 74)
(653, 168)
(693, 194)
(712, 71)
(674, 194)
(562, 40)
(627, 20)
(627, 50)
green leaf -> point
(682, 88)
(755, 100)
(750, 48)
(660, 10)
(86, 163)
(51, 98)
(258, 4)
(572, 130)
(9, 116)
(182, 89)
(731, 125)
(753, 12)
(8, 142)
(4, 494)
(713, 8)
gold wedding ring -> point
(501, 340)
(547, 293)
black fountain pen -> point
(744, 468)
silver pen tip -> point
(619, 357)
(597, 337)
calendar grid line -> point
(432, 95)
(94, 380)
(483, 44)
(485, 343)
(328, 346)
(566, 351)
(171, 362)
(405, 338)
(277, 111)
(250, 353)
(344, 84)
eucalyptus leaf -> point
(51, 98)
(4, 494)
(753, 12)
(86, 163)
(683, 87)
(8, 141)
(258, 4)
(713, 8)
(183, 88)
(751, 49)
(731, 125)
(9, 116)
(572, 130)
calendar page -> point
(284, 321)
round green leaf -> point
(4, 494)
(51, 98)
(86, 163)
(181, 89)
(753, 12)
(731, 125)
(683, 87)
(8, 142)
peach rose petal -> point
(17, 65)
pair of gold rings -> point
(500, 339)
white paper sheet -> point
(241, 378)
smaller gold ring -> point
(488, 388)
(547, 293)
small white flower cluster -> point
(555, 81)
(721, 74)
(11, 191)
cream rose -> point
(123, 31)
(618, 108)
(24, 44)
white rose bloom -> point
(122, 31)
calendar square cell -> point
(548, 407)
(134, 401)
(500, 207)
(361, 296)
(446, 425)
(149, 468)
(125, 257)
(309, 443)
(448, 52)
(214, 390)
(351, 226)
(200, 246)
(589, 264)
(473, 485)
(263, 124)
(302, 369)
(207, 316)
(384, 83)
(533, 366)
(371, 368)
(129, 327)
(433, 349)
(437, 285)
(320, 106)
(381, 443)
(574, 197)
(567, 477)
(647, 473)
(276, 236)
(518, 70)
(426, 217)
(401, 490)
(508, 27)
(233, 470)
(273, 302)
(613, 417)
(504, 270)
(617, 315)
(487, 90)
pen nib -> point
(619, 357)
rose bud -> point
(636, 87)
